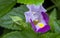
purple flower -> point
(38, 18)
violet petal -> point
(33, 26)
(45, 17)
(45, 29)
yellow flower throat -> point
(36, 22)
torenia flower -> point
(38, 18)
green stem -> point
(50, 7)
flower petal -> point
(30, 7)
(37, 13)
(42, 9)
(45, 29)
(45, 17)
(27, 16)
(33, 26)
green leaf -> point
(57, 27)
(23, 34)
(53, 22)
(58, 21)
(53, 14)
(49, 35)
(16, 18)
(57, 3)
(58, 36)
(7, 22)
(19, 21)
(52, 19)
(30, 1)
(5, 6)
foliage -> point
(8, 21)
(30, 1)
(14, 24)
(5, 6)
